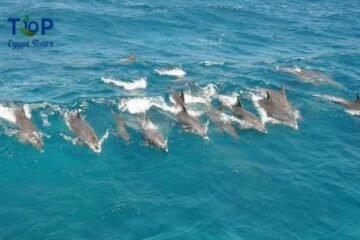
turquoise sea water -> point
(287, 184)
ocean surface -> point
(293, 182)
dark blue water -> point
(287, 184)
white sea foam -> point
(353, 112)
(136, 84)
(45, 120)
(101, 141)
(174, 72)
(27, 110)
(211, 63)
(139, 105)
(330, 98)
(228, 100)
(143, 104)
(8, 114)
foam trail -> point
(212, 63)
(174, 72)
(330, 98)
(136, 84)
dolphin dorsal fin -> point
(184, 108)
(267, 95)
(282, 90)
(182, 96)
(239, 102)
(357, 99)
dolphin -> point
(85, 133)
(310, 76)
(350, 105)
(27, 130)
(191, 122)
(121, 127)
(277, 106)
(217, 117)
(152, 136)
(179, 99)
(239, 111)
(130, 58)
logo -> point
(30, 28)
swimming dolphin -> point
(27, 130)
(152, 136)
(217, 117)
(130, 58)
(310, 76)
(350, 105)
(85, 133)
(278, 107)
(239, 111)
(179, 99)
(121, 127)
(191, 122)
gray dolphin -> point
(27, 130)
(152, 136)
(179, 99)
(277, 106)
(130, 58)
(85, 133)
(226, 126)
(185, 118)
(239, 111)
(121, 127)
(191, 122)
(310, 76)
(350, 105)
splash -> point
(136, 84)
